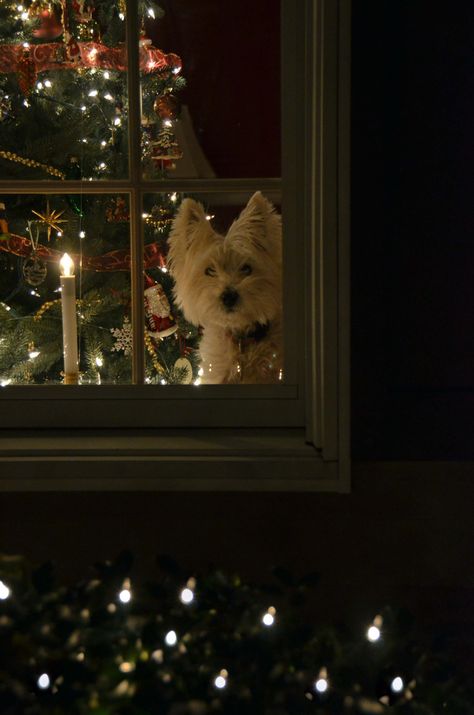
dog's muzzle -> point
(229, 299)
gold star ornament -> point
(51, 219)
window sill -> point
(166, 460)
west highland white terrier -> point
(231, 286)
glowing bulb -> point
(117, 121)
(174, 196)
(397, 685)
(269, 617)
(39, 85)
(4, 590)
(48, 83)
(168, 123)
(373, 634)
(24, 16)
(125, 595)
(102, 165)
(197, 381)
(33, 354)
(5, 383)
(59, 234)
(26, 103)
(44, 681)
(109, 97)
(19, 8)
(151, 13)
(221, 680)
(321, 685)
(82, 234)
(83, 108)
(93, 93)
(122, 16)
(171, 638)
(66, 264)
(103, 143)
(99, 362)
(26, 45)
(186, 595)
(106, 75)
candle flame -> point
(66, 265)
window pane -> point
(43, 315)
(212, 289)
(223, 119)
(63, 99)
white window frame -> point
(289, 437)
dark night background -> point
(405, 533)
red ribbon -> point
(53, 56)
(112, 261)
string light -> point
(187, 594)
(43, 681)
(373, 632)
(125, 595)
(322, 683)
(397, 684)
(221, 681)
(171, 638)
(4, 590)
(268, 618)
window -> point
(134, 422)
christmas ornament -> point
(50, 27)
(159, 217)
(165, 147)
(81, 11)
(3, 219)
(123, 337)
(73, 51)
(184, 367)
(5, 106)
(26, 73)
(117, 211)
(158, 316)
(51, 219)
(34, 269)
(166, 106)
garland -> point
(53, 56)
(118, 260)
(11, 156)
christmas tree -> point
(64, 115)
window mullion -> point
(135, 169)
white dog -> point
(231, 286)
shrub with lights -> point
(206, 644)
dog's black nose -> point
(229, 298)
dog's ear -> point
(189, 224)
(260, 224)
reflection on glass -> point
(63, 99)
(220, 118)
(213, 273)
(36, 317)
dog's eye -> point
(246, 269)
(210, 271)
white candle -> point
(68, 302)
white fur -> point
(253, 240)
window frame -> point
(293, 436)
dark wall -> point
(405, 534)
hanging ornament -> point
(123, 337)
(50, 27)
(3, 220)
(117, 211)
(165, 146)
(5, 106)
(159, 320)
(166, 106)
(26, 73)
(51, 219)
(185, 369)
(73, 51)
(34, 269)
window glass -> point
(212, 289)
(44, 316)
(211, 93)
(63, 98)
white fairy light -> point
(220, 681)
(83, 108)
(93, 93)
(48, 83)
(373, 634)
(117, 121)
(26, 45)
(174, 196)
(151, 13)
(33, 354)
(99, 362)
(43, 681)
(4, 590)
(5, 383)
(39, 85)
(26, 103)
(168, 123)
(186, 596)
(322, 683)
(122, 16)
(125, 595)
(268, 618)
(397, 684)
(102, 165)
(197, 381)
(103, 143)
(106, 75)
(109, 97)
(24, 16)
(171, 638)
(82, 234)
